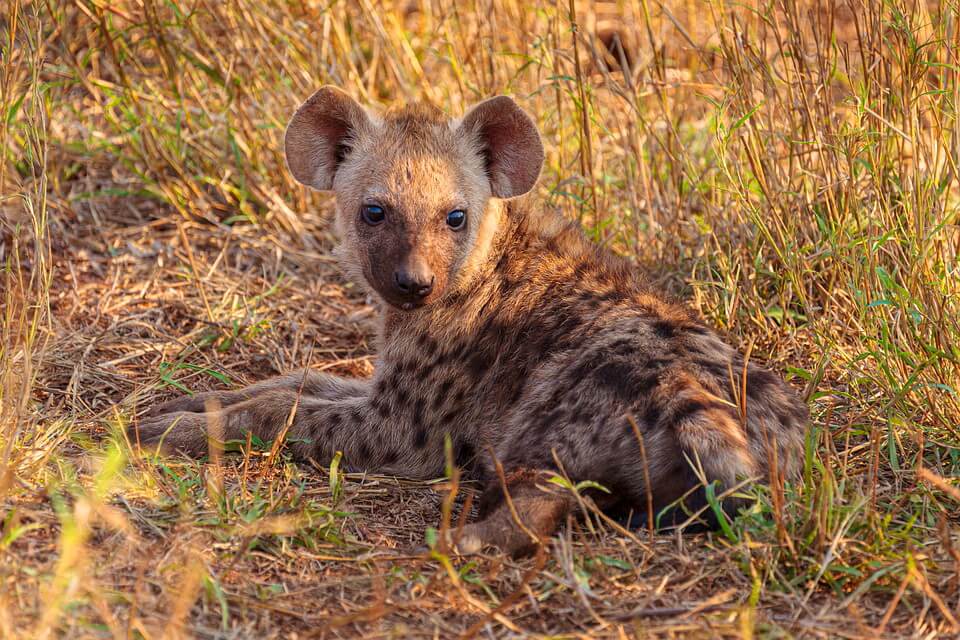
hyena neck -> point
(499, 224)
(525, 234)
(528, 245)
(512, 246)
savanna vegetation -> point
(787, 166)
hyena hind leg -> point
(314, 384)
(266, 415)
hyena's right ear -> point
(320, 134)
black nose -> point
(413, 283)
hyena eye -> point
(456, 219)
(372, 214)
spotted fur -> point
(533, 347)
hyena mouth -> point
(408, 305)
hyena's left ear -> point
(509, 143)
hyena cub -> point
(504, 329)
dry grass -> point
(790, 168)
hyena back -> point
(503, 329)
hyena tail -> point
(712, 457)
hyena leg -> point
(263, 410)
(314, 428)
(518, 524)
(313, 383)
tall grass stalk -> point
(26, 269)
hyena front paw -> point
(177, 432)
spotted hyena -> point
(503, 329)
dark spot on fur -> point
(418, 412)
(478, 364)
(759, 381)
(651, 415)
(456, 352)
(784, 417)
(442, 393)
(515, 395)
(464, 453)
(550, 420)
(420, 438)
(389, 456)
(584, 367)
(426, 343)
(334, 419)
(618, 378)
(569, 324)
(716, 368)
(363, 453)
(684, 409)
(382, 409)
(621, 378)
(656, 364)
(623, 347)
(423, 372)
(580, 415)
(664, 329)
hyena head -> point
(415, 190)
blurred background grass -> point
(789, 167)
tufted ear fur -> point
(320, 134)
(509, 142)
